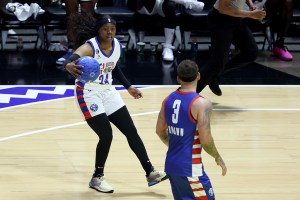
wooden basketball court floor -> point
(47, 151)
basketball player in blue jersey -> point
(183, 124)
(100, 103)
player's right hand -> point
(74, 69)
(221, 163)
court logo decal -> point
(22, 95)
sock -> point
(147, 167)
(279, 42)
(98, 172)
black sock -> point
(279, 42)
(147, 167)
(98, 172)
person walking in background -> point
(72, 8)
(167, 9)
(99, 101)
(280, 13)
(226, 28)
(183, 124)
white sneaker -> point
(156, 177)
(12, 33)
(194, 5)
(167, 54)
(100, 184)
(62, 60)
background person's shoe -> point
(214, 87)
(12, 34)
(62, 60)
(167, 54)
(282, 53)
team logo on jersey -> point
(94, 107)
(97, 54)
(211, 192)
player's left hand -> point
(136, 93)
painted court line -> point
(142, 114)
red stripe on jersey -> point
(79, 96)
(190, 112)
(196, 151)
(194, 182)
(201, 198)
(82, 105)
(165, 102)
(79, 88)
(196, 160)
(198, 189)
(87, 115)
(197, 141)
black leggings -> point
(170, 20)
(280, 14)
(122, 120)
(226, 30)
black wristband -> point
(73, 57)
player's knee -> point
(106, 136)
(131, 130)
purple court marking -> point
(21, 95)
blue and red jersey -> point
(184, 152)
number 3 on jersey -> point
(176, 106)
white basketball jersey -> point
(107, 64)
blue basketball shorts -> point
(191, 188)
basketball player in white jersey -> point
(100, 103)
(183, 124)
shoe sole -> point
(109, 191)
(168, 60)
(59, 63)
(281, 58)
(155, 182)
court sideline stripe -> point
(141, 114)
(143, 87)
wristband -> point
(73, 57)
